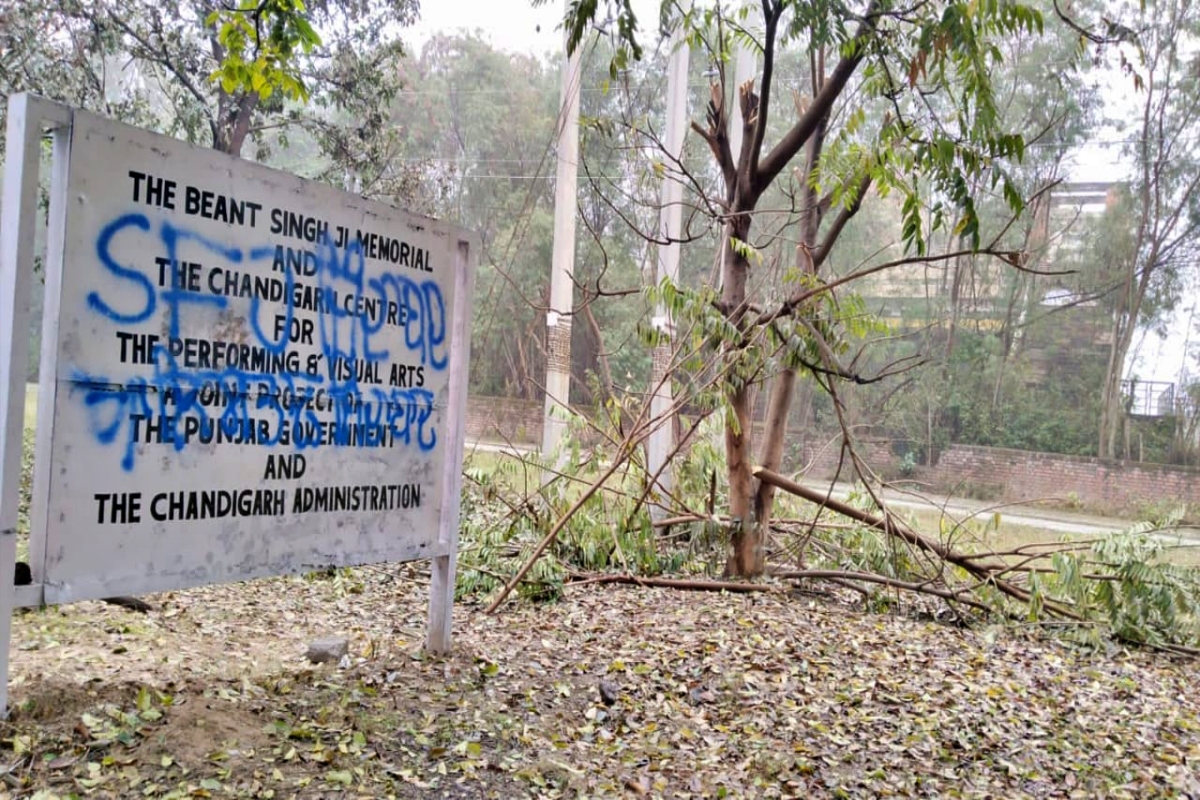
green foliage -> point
(1053, 416)
(1126, 582)
(701, 473)
(580, 15)
(746, 251)
(507, 510)
(701, 329)
(260, 39)
(987, 362)
(275, 73)
(484, 117)
(1045, 400)
(1156, 226)
(832, 323)
(1124, 586)
(916, 116)
(955, 144)
(865, 549)
(926, 71)
(62, 58)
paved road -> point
(1012, 514)
(499, 447)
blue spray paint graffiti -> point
(205, 392)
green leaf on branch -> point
(260, 41)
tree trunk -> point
(1112, 409)
(771, 456)
(747, 174)
(232, 123)
(746, 553)
(1125, 319)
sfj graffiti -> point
(351, 386)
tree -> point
(487, 119)
(484, 120)
(1154, 229)
(970, 320)
(222, 75)
(860, 121)
(42, 50)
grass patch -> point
(980, 534)
(25, 490)
(31, 404)
(509, 472)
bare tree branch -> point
(791, 142)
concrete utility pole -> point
(745, 66)
(662, 438)
(562, 294)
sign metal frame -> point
(30, 120)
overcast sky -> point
(509, 24)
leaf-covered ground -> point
(715, 696)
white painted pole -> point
(558, 319)
(662, 437)
(17, 227)
(745, 66)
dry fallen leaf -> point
(713, 697)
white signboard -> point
(247, 373)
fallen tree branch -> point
(851, 585)
(840, 576)
(130, 603)
(722, 519)
(686, 519)
(1174, 649)
(987, 572)
(637, 434)
(677, 583)
(552, 535)
(641, 428)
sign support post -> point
(442, 570)
(26, 117)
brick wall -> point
(819, 453)
(504, 419)
(1018, 475)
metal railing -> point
(1148, 398)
